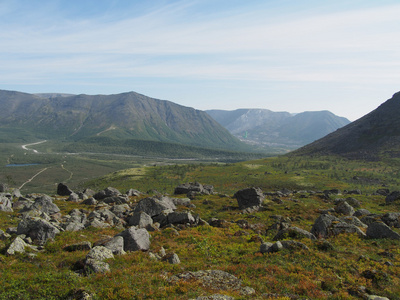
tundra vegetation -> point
(273, 249)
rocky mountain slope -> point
(121, 116)
(375, 135)
(278, 129)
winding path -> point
(29, 180)
(25, 147)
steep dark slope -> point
(122, 116)
(370, 137)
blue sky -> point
(286, 55)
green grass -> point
(314, 274)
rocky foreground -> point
(137, 215)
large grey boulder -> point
(171, 258)
(116, 245)
(107, 192)
(327, 225)
(37, 229)
(184, 217)
(321, 227)
(103, 215)
(379, 230)
(96, 266)
(391, 219)
(3, 187)
(344, 208)
(63, 190)
(100, 253)
(154, 206)
(45, 204)
(392, 197)
(17, 246)
(354, 221)
(140, 219)
(195, 187)
(135, 239)
(5, 204)
(361, 212)
(293, 232)
(73, 197)
(249, 197)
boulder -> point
(4, 236)
(100, 253)
(133, 193)
(116, 245)
(120, 210)
(116, 200)
(5, 204)
(327, 225)
(74, 197)
(249, 197)
(392, 197)
(171, 258)
(3, 187)
(45, 204)
(154, 206)
(344, 208)
(322, 224)
(107, 192)
(354, 221)
(265, 247)
(180, 218)
(63, 190)
(90, 201)
(140, 219)
(293, 245)
(391, 219)
(361, 212)
(353, 202)
(293, 232)
(135, 239)
(17, 246)
(183, 202)
(379, 230)
(39, 230)
(193, 187)
(96, 266)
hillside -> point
(371, 137)
(121, 116)
(275, 130)
(315, 228)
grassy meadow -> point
(334, 272)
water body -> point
(20, 165)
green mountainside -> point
(371, 137)
(121, 116)
(274, 130)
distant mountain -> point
(276, 130)
(121, 116)
(371, 137)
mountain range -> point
(372, 137)
(278, 130)
(120, 116)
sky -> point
(283, 55)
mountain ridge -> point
(127, 115)
(288, 131)
(372, 136)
